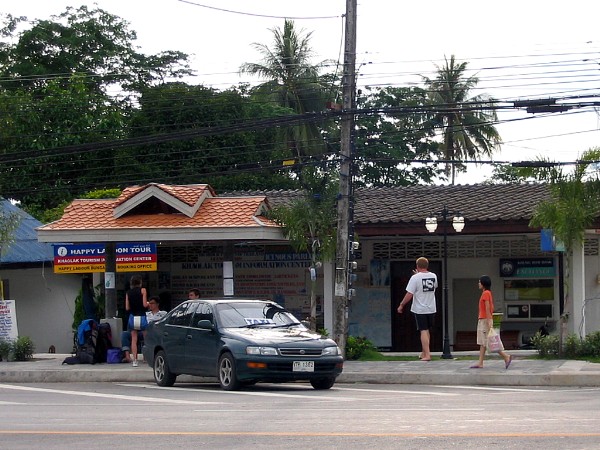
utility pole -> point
(340, 301)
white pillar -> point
(577, 297)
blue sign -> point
(78, 250)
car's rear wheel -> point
(162, 375)
(322, 383)
(227, 373)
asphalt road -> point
(295, 416)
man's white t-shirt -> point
(151, 317)
(422, 286)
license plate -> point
(304, 366)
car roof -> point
(216, 300)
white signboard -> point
(8, 320)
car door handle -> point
(189, 337)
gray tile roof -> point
(480, 202)
(25, 248)
(412, 204)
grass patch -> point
(374, 355)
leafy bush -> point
(23, 348)
(357, 346)
(591, 345)
(545, 345)
(5, 348)
(573, 346)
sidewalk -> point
(47, 368)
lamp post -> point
(458, 223)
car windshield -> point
(253, 314)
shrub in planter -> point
(5, 348)
(573, 346)
(591, 345)
(357, 346)
(23, 348)
(545, 345)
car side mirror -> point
(205, 324)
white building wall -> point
(591, 307)
(45, 303)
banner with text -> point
(79, 258)
(8, 320)
(136, 257)
(87, 258)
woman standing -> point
(486, 321)
(136, 302)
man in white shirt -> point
(155, 313)
(421, 290)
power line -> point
(258, 15)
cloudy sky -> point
(518, 49)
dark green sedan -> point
(241, 342)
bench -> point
(467, 340)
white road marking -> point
(97, 394)
(250, 393)
(387, 391)
(489, 388)
(374, 409)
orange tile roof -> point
(214, 212)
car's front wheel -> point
(227, 373)
(322, 383)
(162, 375)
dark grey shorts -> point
(424, 321)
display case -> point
(529, 299)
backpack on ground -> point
(103, 342)
(87, 334)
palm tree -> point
(293, 83)
(309, 224)
(571, 210)
(468, 132)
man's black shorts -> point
(424, 321)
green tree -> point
(85, 41)
(232, 160)
(389, 143)
(9, 222)
(56, 77)
(467, 122)
(293, 83)
(31, 127)
(309, 223)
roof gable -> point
(161, 198)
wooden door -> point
(405, 337)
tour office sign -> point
(87, 258)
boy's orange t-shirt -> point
(486, 296)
